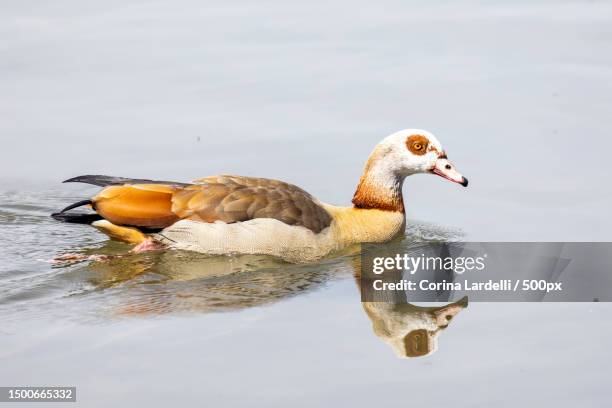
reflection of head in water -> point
(412, 331)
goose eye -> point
(417, 144)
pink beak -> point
(444, 168)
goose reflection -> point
(181, 282)
(168, 282)
(410, 330)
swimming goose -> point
(244, 215)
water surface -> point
(517, 92)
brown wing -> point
(217, 198)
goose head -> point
(413, 151)
(407, 152)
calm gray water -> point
(519, 93)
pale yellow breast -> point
(356, 225)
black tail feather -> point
(76, 218)
(77, 204)
(103, 181)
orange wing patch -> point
(144, 205)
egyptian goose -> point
(244, 215)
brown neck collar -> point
(379, 189)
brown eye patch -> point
(417, 144)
